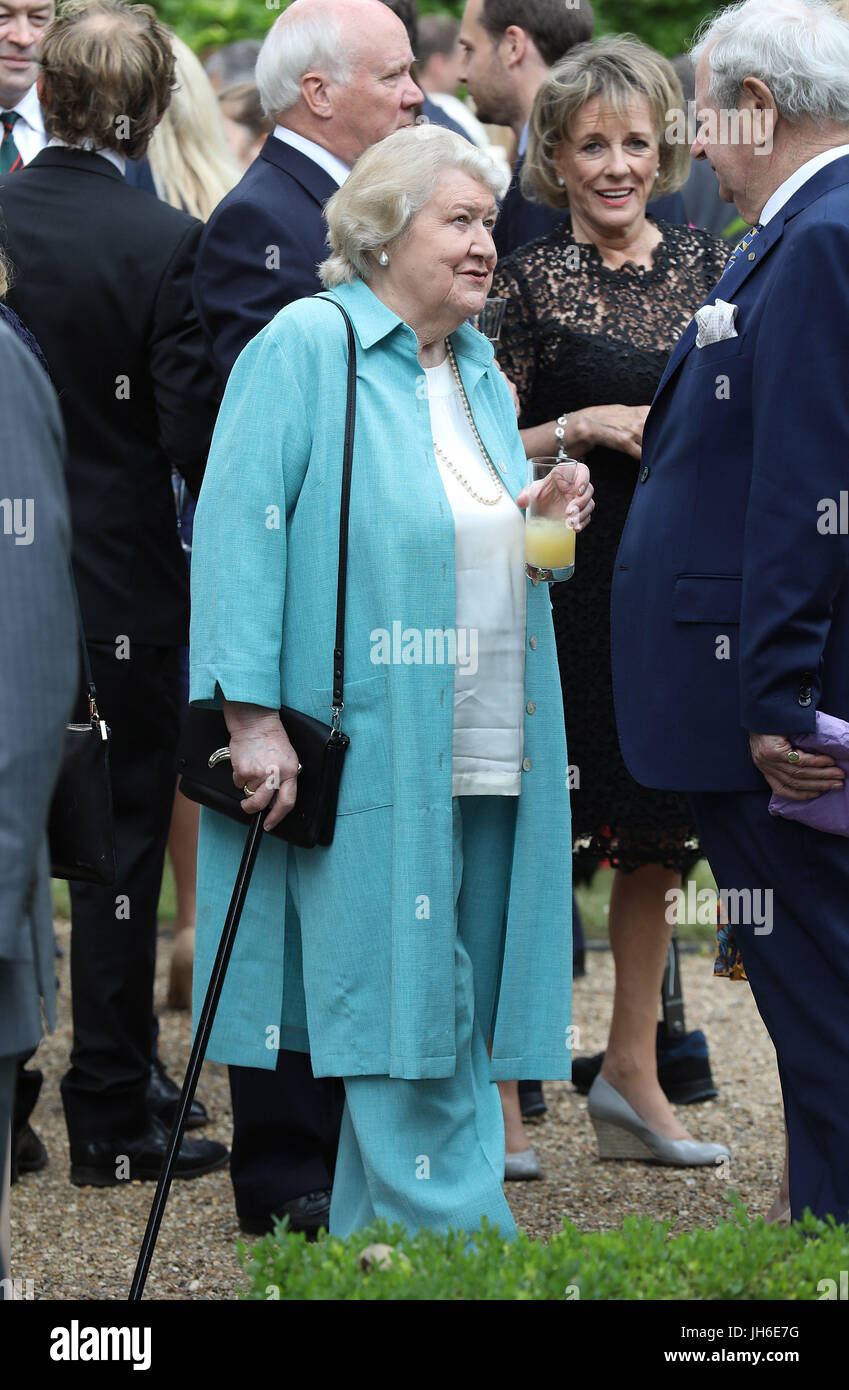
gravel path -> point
(81, 1243)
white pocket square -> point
(715, 323)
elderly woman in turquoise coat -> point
(426, 952)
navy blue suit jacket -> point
(521, 220)
(730, 605)
(261, 249)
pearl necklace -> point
(452, 468)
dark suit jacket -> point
(435, 114)
(731, 586)
(261, 248)
(520, 220)
(103, 277)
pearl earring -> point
(383, 259)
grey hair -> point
(798, 48)
(388, 188)
(298, 43)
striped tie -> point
(741, 246)
(10, 155)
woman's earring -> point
(383, 259)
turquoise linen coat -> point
(362, 975)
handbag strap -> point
(93, 715)
(344, 509)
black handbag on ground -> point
(80, 825)
(203, 752)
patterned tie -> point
(741, 246)
(10, 155)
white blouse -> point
(491, 594)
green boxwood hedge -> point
(737, 1260)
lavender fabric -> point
(830, 811)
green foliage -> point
(738, 1260)
(207, 24)
(668, 25)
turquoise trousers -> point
(430, 1153)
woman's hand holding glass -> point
(570, 494)
(263, 760)
(556, 499)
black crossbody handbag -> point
(203, 756)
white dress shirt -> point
(112, 155)
(806, 171)
(491, 598)
(317, 153)
(29, 133)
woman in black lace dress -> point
(594, 310)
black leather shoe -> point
(531, 1100)
(308, 1213)
(107, 1162)
(163, 1097)
(683, 1068)
(28, 1152)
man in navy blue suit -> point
(335, 75)
(730, 597)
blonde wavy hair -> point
(616, 70)
(189, 156)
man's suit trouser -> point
(799, 974)
(285, 1133)
(113, 935)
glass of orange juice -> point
(549, 537)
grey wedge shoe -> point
(622, 1134)
(522, 1167)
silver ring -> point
(247, 791)
(300, 769)
(793, 756)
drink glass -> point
(490, 320)
(549, 536)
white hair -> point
(798, 48)
(388, 188)
(300, 42)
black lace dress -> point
(577, 334)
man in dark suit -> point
(509, 47)
(22, 131)
(260, 251)
(263, 243)
(731, 593)
(103, 278)
(38, 674)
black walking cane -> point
(207, 1018)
